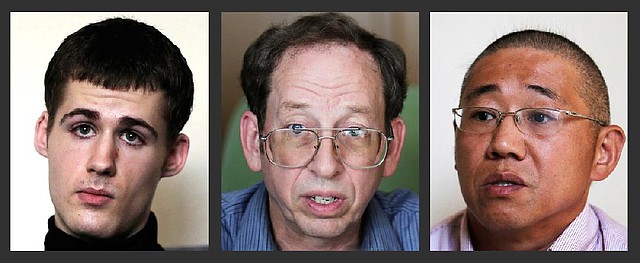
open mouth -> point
(324, 200)
(504, 183)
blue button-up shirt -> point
(391, 221)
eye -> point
(132, 138)
(540, 117)
(354, 132)
(83, 130)
(482, 115)
(296, 128)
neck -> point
(145, 239)
(537, 236)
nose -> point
(326, 162)
(507, 140)
(103, 156)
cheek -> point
(138, 175)
(147, 162)
(469, 151)
(66, 160)
(552, 157)
(279, 181)
(365, 182)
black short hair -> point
(593, 90)
(123, 54)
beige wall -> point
(240, 29)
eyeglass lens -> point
(529, 121)
(355, 147)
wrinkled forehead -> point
(346, 51)
(523, 72)
(327, 78)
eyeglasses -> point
(296, 146)
(532, 121)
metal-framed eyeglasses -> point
(531, 121)
(296, 146)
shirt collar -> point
(255, 231)
(583, 234)
(378, 233)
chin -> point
(323, 228)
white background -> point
(457, 38)
(181, 202)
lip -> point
(503, 184)
(324, 210)
(95, 197)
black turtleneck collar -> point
(146, 239)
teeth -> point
(323, 200)
(503, 184)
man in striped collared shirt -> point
(324, 129)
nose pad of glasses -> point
(332, 141)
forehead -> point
(113, 103)
(335, 60)
(515, 71)
(326, 71)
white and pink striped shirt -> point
(592, 230)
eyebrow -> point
(546, 92)
(294, 105)
(478, 91)
(130, 122)
(123, 121)
(89, 114)
(352, 108)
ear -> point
(609, 145)
(177, 157)
(395, 147)
(249, 138)
(40, 137)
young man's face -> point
(324, 87)
(515, 181)
(106, 153)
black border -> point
(215, 8)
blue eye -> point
(355, 132)
(296, 128)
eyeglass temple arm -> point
(575, 114)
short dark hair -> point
(593, 90)
(123, 54)
(263, 55)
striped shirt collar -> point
(378, 232)
(583, 234)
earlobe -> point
(177, 157)
(41, 136)
(249, 138)
(395, 146)
(609, 146)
